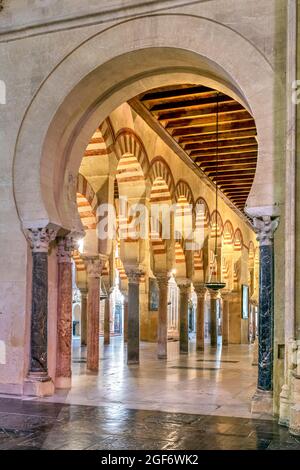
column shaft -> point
(184, 319)
(225, 328)
(200, 291)
(162, 327)
(213, 320)
(133, 343)
(107, 320)
(125, 326)
(83, 318)
(64, 326)
(93, 323)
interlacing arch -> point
(183, 190)
(129, 143)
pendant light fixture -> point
(214, 283)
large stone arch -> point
(69, 104)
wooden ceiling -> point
(188, 114)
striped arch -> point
(198, 263)
(203, 214)
(160, 170)
(129, 143)
(216, 224)
(180, 263)
(86, 202)
(183, 190)
(225, 269)
(102, 141)
(212, 263)
(238, 240)
(121, 269)
(79, 263)
(228, 233)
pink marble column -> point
(185, 290)
(64, 313)
(94, 267)
(200, 292)
(83, 317)
(162, 326)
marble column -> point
(133, 342)
(107, 319)
(83, 317)
(94, 268)
(162, 325)
(200, 292)
(225, 319)
(214, 296)
(38, 382)
(125, 325)
(265, 227)
(64, 313)
(185, 289)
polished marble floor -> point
(29, 424)
(218, 382)
(195, 402)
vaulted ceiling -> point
(188, 114)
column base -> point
(37, 385)
(284, 407)
(162, 356)
(63, 382)
(132, 362)
(262, 402)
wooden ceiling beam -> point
(227, 151)
(224, 108)
(226, 158)
(226, 136)
(159, 94)
(208, 119)
(240, 143)
(229, 163)
(210, 128)
(193, 102)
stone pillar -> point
(200, 291)
(133, 342)
(107, 319)
(125, 325)
(83, 317)
(94, 267)
(184, 288)
(214, 295)
(225, 322)
(162, 326)
(265, 227)
(64, 313)
(38, 382)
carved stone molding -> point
(94, 266)
(65, 247)
(184, 285)
(134, 275)
(265, 228)
(200, 289)
(163, 279)
(40, 238)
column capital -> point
(94, 265)
(134, 275)
(200, 289)
(214, 294)
(40, 238)
(226, 294)
(184, 285)
(65, 246)
(163, 279)
(83, 291)
(265, 227)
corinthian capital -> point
(265, 227)
(65, 247)
(40, 238)
(94, 265)
(134, 275)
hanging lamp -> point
(214, 283)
